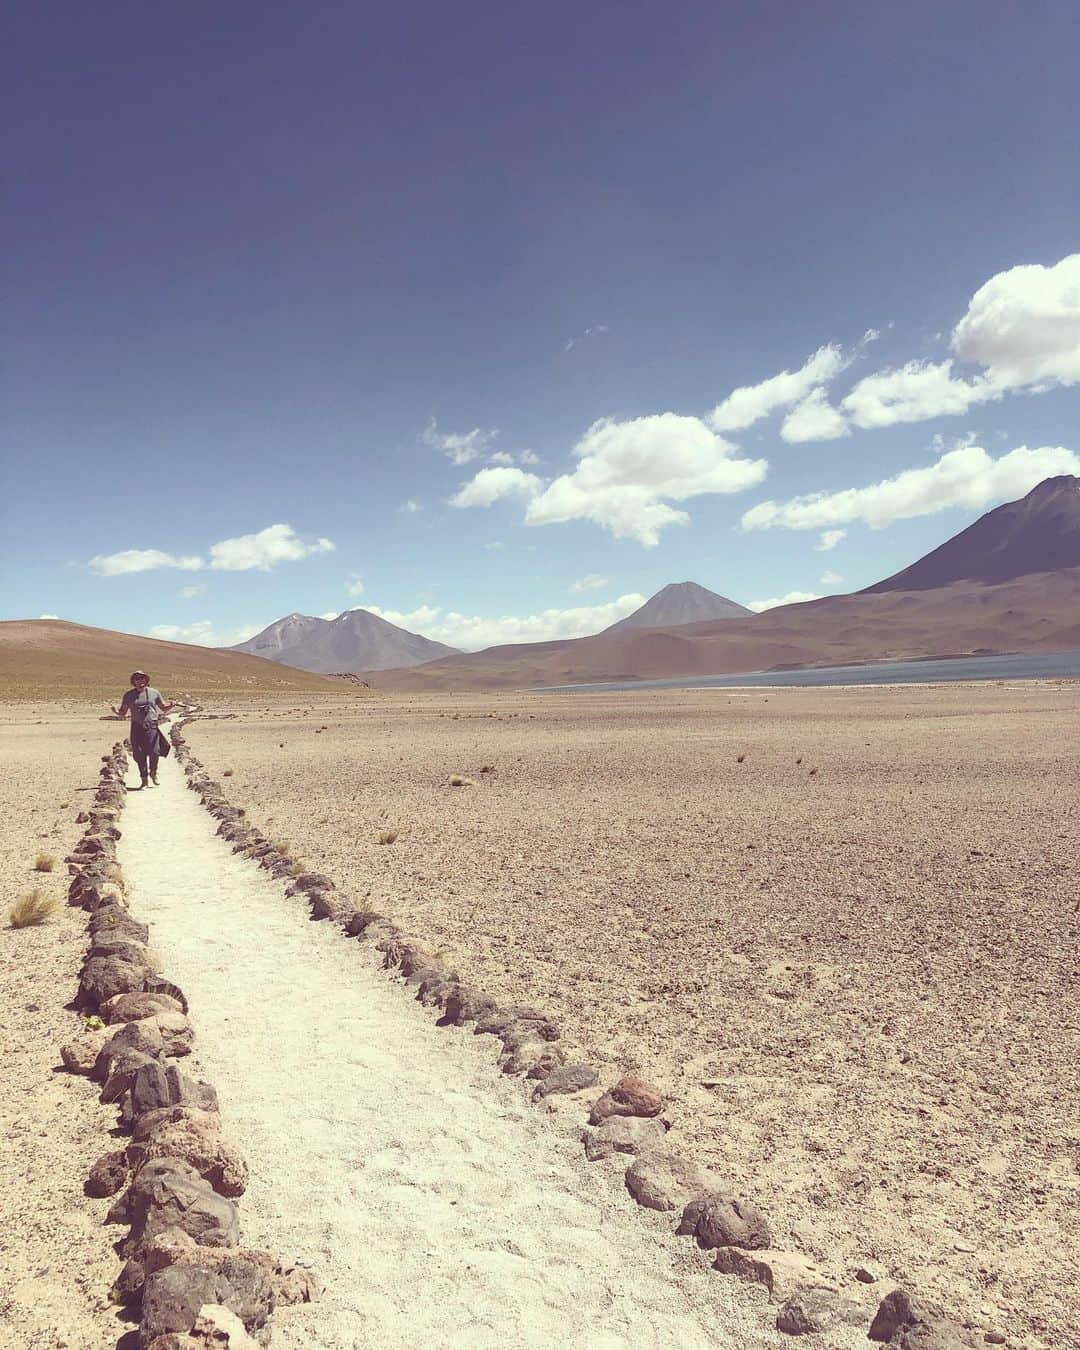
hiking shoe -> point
(153, 779)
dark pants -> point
(144, 746)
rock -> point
(156, 984)
(520, 1053)
(896, 1310)
(868, 1274)
(156, 1086)
(722, 1220)
(123, 1067)
(169, 1193)
(629, 1097)
(81, 818)
(568, 1078)
(551, 1058)
(219, 1327)
(195, 1136)
(435, 988)
(107, 1176)
(664, 1181)
(500, 1021)
(813, 1310)
(311, 881)
(623, 1134)
(251, 1294)
(410, 956)
(103, 977)
(114, 919)
(108, 943)
(365, 919)
(80, 1055)
(465, 1004)
(330, 905)
(174, 1297)
(134, 1007)
(783, 1274)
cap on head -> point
(139, 675)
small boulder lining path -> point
(438, 1207)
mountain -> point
(681, 602)
(355, 641)
(1038, 533)
(1038, 613)
(50, 659)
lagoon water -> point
(1025, 666)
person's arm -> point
(166, 707)
(123, 709)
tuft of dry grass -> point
(739, 758)
(459, 780)
(387, 836)
(813, 772)
(44, 862)
(31, 909)
(283, 847)
(297, 869)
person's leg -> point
(152, 752)
(138, 750)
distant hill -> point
(681, 602)
(1038, 613)
(53, 659)
(353, 642)
(1037, 533)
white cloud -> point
(190, 592)
(203, 633)
(277, 543)
(494, 546)
(501, 457)
(792, 598)
(141, 560)
(264, 550)
(1022, 327)
(527, 457)
(831, 578)
(491, 485)
(411, 506)
(459, 447)
(751, 402)
(473, 632)
(966, 476)
(627, 472)
(829, 540)
(354, 586)
(330, 614)
(814, 419)
(48, 616)
(593, 582)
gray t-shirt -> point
(143, 705)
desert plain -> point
(836, 927)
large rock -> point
(568, 1078)
(782, 1273)
(107, 1176)
(909, 1323)
(623, 1134)
(114, 919)
(107, 942)
(465, 1004)
(196, 1137)
(817, 1310)
(629, 1097)
(157, 1086)
(80, 1055)
(134, 1007)
(722, 1220)
(174, 1297)
(169, 1193)
(517, 1017)
(664, 1181)
(103, 977)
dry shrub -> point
(387, 836)
(227, 773)
(799, 760)
(297, 869)
(44, 862)
(283, 847)
(813, 772)
(31, 909)
(459, 780)
(739, 758)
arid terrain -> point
(836, 926)
(56, 1263)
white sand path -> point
(439, 1207)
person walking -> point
(144, 705)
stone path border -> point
(625, 1119)
(178, 1179)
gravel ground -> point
(56, 1258)
(847, 956)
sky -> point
(494, 319)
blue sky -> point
(438, 309)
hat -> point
(139, 674)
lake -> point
(1026, 666)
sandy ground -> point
(56, 1260)
(441, 1209)
(855, 983)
